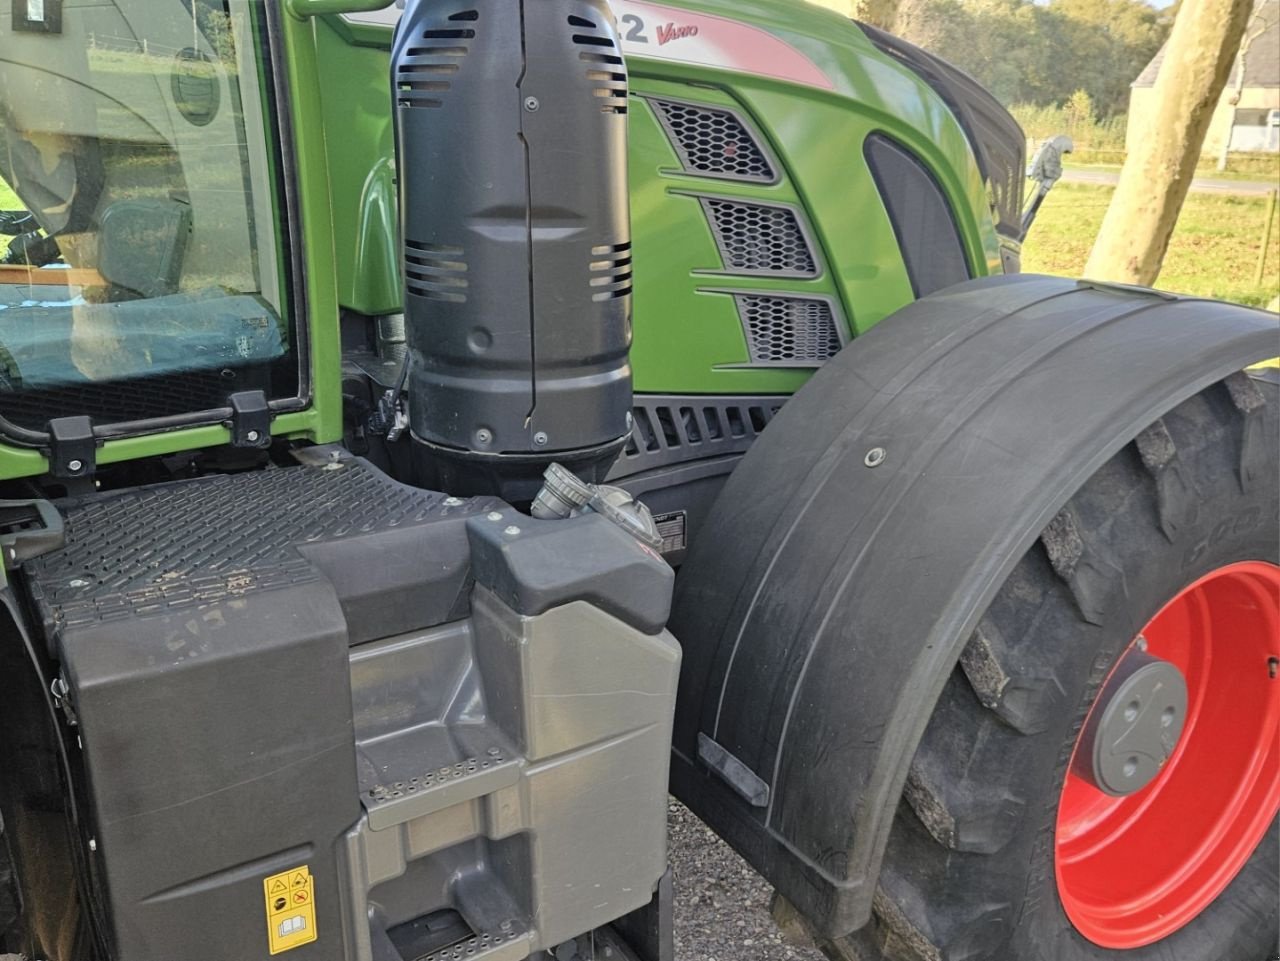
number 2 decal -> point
(635, 29)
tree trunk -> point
(878, 13)
(1157, 175)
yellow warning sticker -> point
(291, 909)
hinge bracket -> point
(250, 422)
(73, 452)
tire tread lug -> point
(1177, 499)
(1249, 400)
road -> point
(1108, 178)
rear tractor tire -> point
(1004, 847)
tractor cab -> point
(143, 275)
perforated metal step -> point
(485, 946)
(432, 768)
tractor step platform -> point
(397, 556)
(408, 704)
(203, 631)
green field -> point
(1214, 251)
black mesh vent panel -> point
(922, 220)
(759, 238)
(714, 142)
(782, 330)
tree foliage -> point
(1042, 54)
(878, 13)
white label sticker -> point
(671, 528)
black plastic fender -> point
(851, 554)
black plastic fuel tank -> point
(511, 158)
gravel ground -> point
(721, 904)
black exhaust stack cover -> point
(511, 150)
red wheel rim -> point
(1132, 870)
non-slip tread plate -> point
(195, 542)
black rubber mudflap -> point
(850, 556)
(202, 632)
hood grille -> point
(760, 238)
(788, 330)
(714, 142)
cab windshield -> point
(141, 274)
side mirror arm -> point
(1046, 170)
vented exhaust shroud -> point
(511, 149)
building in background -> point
(1247, 118)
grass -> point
(1214, 251)
(8, 199)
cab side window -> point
(141, 273)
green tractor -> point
(429, 435)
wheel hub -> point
(1175, 777)
(1134, 726)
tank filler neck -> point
(564, 494)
